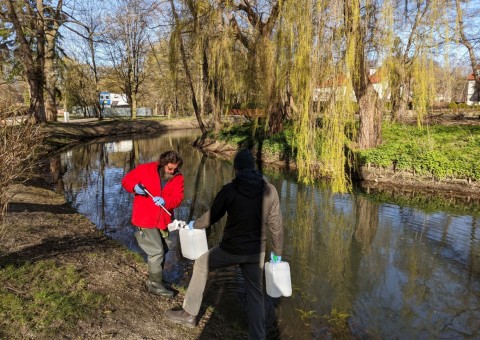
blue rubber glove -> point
(158, 201)
(275, 258)
(138, 190)
(190, 225)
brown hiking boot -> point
(182, 317)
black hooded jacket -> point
(251, 205)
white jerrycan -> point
(277, 279)
(193, 243)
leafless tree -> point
(35, 26)
(127, 45)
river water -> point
(373, 267)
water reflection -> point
(397, 271)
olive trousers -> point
(155, 245)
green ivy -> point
(439, 151)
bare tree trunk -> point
(50, 88)
(37, 103)
(98, 108)
(50, 27)
(465, 42)
(187, 72)
(370, 129)
(134, 106)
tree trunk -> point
(51, 31)
(187, 72)
(467, 43)
(50, 88)
(37, 103)
(401, 108)
(275, 118)
(134, 106)
(370, 130)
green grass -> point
(41, 299)
(440, 151)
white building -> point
(108, 99)
(473, 95)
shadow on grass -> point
(54, 247)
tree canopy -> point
(314, 64)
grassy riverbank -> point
(442, 155)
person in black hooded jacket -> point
(252, 205)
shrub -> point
(20, 141)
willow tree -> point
(178, 41)
(403, 55)
(334, 43)
(325, 43)
(253, 25)
(212, 59)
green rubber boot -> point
(154, 285)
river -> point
(372, 267)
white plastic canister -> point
(277, 279)
(193, 243)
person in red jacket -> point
(165, 182)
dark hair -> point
(170, 157)
(244, 160)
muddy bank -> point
(385, 180)
(41, 225)
(63, 134)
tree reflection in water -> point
(396, 269)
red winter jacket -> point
(145, 213)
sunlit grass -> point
(37, 300)
(439, 151)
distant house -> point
(473, 94)
(338, 86)
(108, 99)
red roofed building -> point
(338, 87)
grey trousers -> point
(154, 245)
(252, 271)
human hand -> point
(275, 258)
(190, 225)
(176, 225)
(139, 190)
(158, 201)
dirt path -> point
(42, 226)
